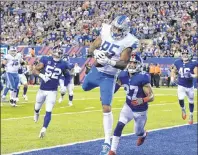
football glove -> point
(44, 77)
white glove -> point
(187, 75)
(44, 77)
(99, 54)
(106, 61)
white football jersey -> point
(114, 47)
(13, 63)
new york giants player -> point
(139, 93)
(187, 70)
(23, 80)
(117, 43)
(66, 83)
(12, 63)
(49, 69)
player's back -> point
(135, 90)
(183, 68)
(52, 69)
(13, 63)
(113, 47)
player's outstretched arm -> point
(117, 86)
(149, 96)
(149, 93)
(96, 44)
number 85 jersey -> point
(52, 69)
(184, 70)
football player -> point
(23, 81)
(112, 50)
(186, 70)
(49, 69)
(12, 63)
(139, 93)
(66, 83)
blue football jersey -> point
(183, 68)
(22, 70)
(54, 70)
(134, 88)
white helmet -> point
(120, 27)
(13, 51)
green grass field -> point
(82, 121)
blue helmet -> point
(120, 27)
(135, 64)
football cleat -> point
(60, 100)
(183, 114)
(70, 103)
(42, 132)
(140, 140)
(190, 121)
(25, 97)
(105, 149)
(111, 153)
(36, 117)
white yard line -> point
(82, 142)
(74, 113)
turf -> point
(82, 121)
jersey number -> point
(111, 48)
(134, 90)
(15, 63)
(52, 72)
(183, 72)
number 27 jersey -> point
(53, 70)
(183, 68)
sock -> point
(107, 124)
(17, 93)
(115, 142)
(5, 91)
(25, 90)
(47, 119)
(118, 129)
(191, 107)
(181, 102)
(13, 95)
(70, 97)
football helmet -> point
(186, 55)
(13, 51)
(135, 64)
(120, 27)
(57, 54)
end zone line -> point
(81, 142)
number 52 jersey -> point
(184, 70)
(53, 70)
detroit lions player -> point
(187, 70)
(52, 68)
(12, 63)
(66, 83)
(139, 93)
(117, 43)
(23, 80)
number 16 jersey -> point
(52, 69)
(184, 70)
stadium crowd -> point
(169, 26)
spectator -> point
(77, 71)
(157, 73)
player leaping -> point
(52, 67)
(187, 70)
(117, 43)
